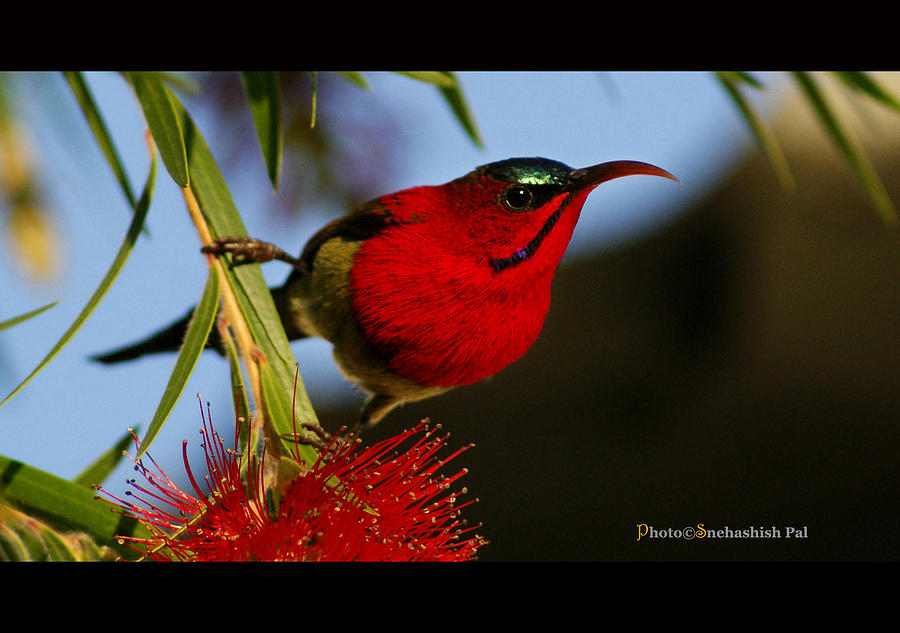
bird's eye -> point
(517, 198)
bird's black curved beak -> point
(588, 177)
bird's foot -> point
(325, 443)
(249, 250)
(317, 437)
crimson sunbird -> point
(428, 288)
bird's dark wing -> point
(365, 222)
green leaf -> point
(12, 548)
(157, 102)
(857, 159)
(134, 229)
(64, 503)
(97, 472)
(25, 538)
(247, 283)
(452, 93)
(264, 95)
(279, 408)
(455, 98)
(24, 317)
(440, 79)
(57, 549)
(239, 395)
(865, 83)
(194, 343)
(742, 77)
(179, 82)
(766, 140)
(101, 133)
(314, 100)
(355, 78)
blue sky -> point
(74, 409)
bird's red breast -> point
(428, 293)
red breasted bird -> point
(429, 288)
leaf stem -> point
(230, 310)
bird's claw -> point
(319, 439)
(248, 250)
(325, 443)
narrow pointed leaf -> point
(24, 317)
(66, 504)
(857, 159)
(194, 343)
(238, 394)
(247, 283)
(314, 100)
(180, 82)
(355, 78)
(764, 137)
(12, 548)
(739, 76)
(97, 472)
(57, 549)
(134, 229)
(101, 134)
(455, 98)
(159, 111)
(444, 80)
(264, 95)
(864, 82)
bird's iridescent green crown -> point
(529, 171)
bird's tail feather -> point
(168, 339)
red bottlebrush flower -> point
(374, 504)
